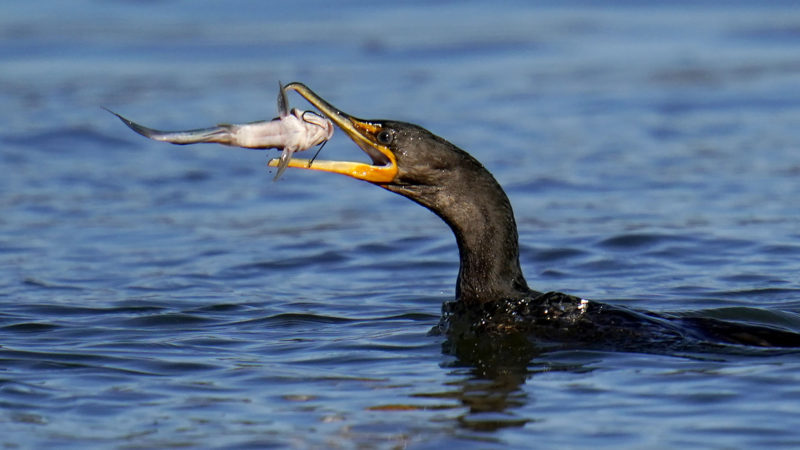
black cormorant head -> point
(406, 158)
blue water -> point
(160, 296)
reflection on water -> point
(155, 296)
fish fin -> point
(283, 163)
(283, 102)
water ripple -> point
(156, 296)
(168, 320)
(639, 240)
(30, 327)
(294, 319)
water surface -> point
(160, 296)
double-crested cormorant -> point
(492, 296)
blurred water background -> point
(158, 296)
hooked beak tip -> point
(362, 132)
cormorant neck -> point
(469, 199)
(483, 222)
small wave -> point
(554, 254)
(781, 249)
(222, 307)
(164, 367)
(545, 184)
(756, 316)
(170, 320)
(30, 327)
(638, 240)
(414, 317)
(33, 282)
(35, 361)
(294, 319)
(760, 293)
(258, 268)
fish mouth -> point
(363, 132)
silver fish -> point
(292, 131)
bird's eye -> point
(385, 137)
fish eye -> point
(385, 137)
